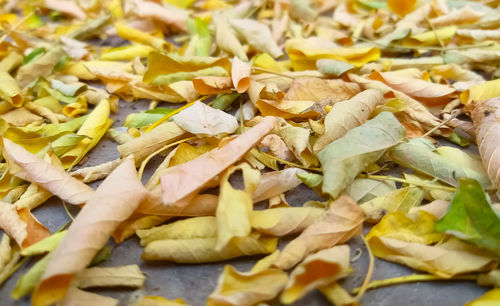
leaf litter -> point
(377, 106)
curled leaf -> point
(341, 221)
(21, 225)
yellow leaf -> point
(317, 270)
(401, 7)
(160, 64)
(21, 225)
(235, 206)
(397, 225)
(430, 38)
(304, 55)
(402, 199)
(45, 245)
(202, 250)
(39, 67)
(181, 182)
(212, 85)
(257, 35)
(9, 90)
(159, 301)
(490, 298)
(5, 251)
(139, 36)
(285, 220)
(126, 52)
(121, 192)
(21, 117)
(33, 197)
(75, 296)
(339, 223)
(246, 288)
(347, 115)
(338, 296)
(481, 92)
(135, 222)
(226, 39)
(52, 178)
(445, 260)
(265, 61)
(94, 127)
(287, 109)
(186, 152)
(198, 227)
(122, 276)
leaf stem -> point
(369, 273)
(411, 279)
(290, 163)
(401, 180)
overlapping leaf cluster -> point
(353, 98)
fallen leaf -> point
(21, 225)
(317, 270)
(402, 199)
(343, 159)
(347, 115)
(341, 221)
(52, 178)
(283, 221)
(202, 250)
(122, 193)
(240, 73)
(257, 35)
(484, 117)
(247, 288)
(94, 173)
(489, 298)
(212, 163)
(471, 218)
(316, 89)
(401, 7)
(203, 120)
(77, 297)
(122, 276)
(9, 89)
(276, 182)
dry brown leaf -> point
(181, 182)
(317, 270)
(426, 92)
(485, 117)
(52, 178)
(316, 89)
(21, 225)
(342, 220)
(347, 115)
(240, 74)
(114, 201)
(246, 288)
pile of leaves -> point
(353, 98)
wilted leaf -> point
(402, 199)
(345, 158)
(240, 73)
(9, 90)
(257, 35)
(341, 221)
(94, 173)
(316, 89)
(276, 182)
(247, 288)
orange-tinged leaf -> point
(339, 223)
(114, 201)
(240, 74)
(21, 225)
(401, 7)
(181, 181)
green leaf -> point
(333, 67)
(471, 217)
(201, 40)
(137, 120)
(223, 101)
(27, 283)
(103, 255)
(419, 154)
(343, 159)
(33, 55)
(43, 246)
